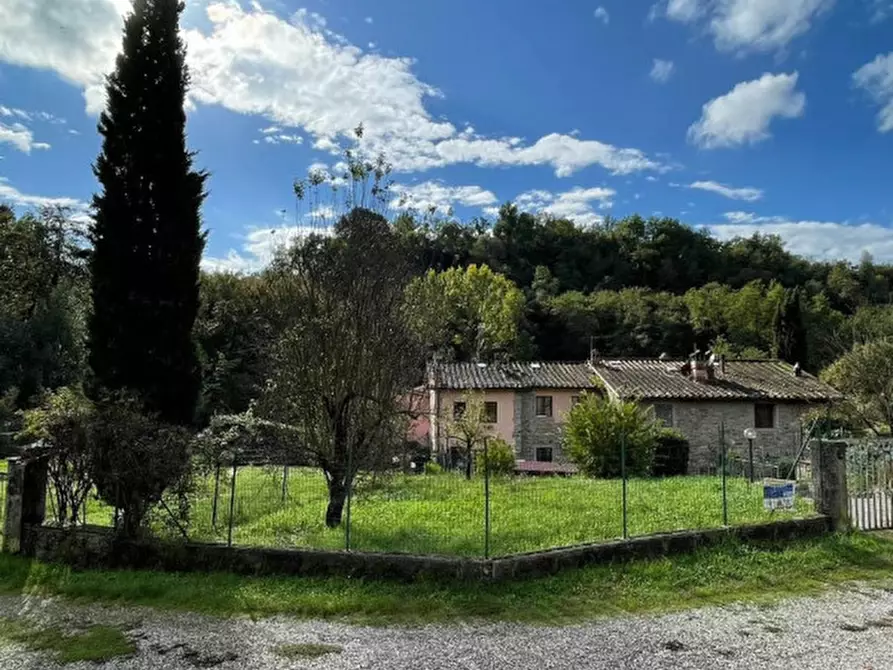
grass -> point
(444, 514)
(297, 651)
(97, 643)
(731, 573)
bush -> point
(501, 457)
(596, 428)
(62, 424)
(432, 468)
(670, 455)
(135, 459)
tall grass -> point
(444, 514)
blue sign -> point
(778, 494)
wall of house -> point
(700, 422)
(442, 413)
(531, 431)
(516, 423)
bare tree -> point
(347, 360)
(468, 425)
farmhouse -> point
(525, 403)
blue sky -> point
(737, 115)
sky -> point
(740, 116)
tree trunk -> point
(468, 459)
(337, 498)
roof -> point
(742, 380)
(643, 378)
(514, 375)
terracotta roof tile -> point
(742, 380)
(640, 378)
(515, 375)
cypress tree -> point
(146, 234)
(789, 329)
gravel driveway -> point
(851, 630)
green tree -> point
(596, 429)
(466, 314)
(865, 376)
(466, 425)
(43, 302)
(789, 330)
(147, 230)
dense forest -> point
(522, 286)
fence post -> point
(486, 500)
(349, 496)
(216, 494)
(623, 478)
(722, 451)
(829, 482)
(232, 505)
(284, 483)
(26, 490)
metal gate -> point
(870, 484)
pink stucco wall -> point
(441, 405)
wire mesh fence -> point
(452, 509)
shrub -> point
(500, 455)
(596, 428)
(62, 423)
(135, 459)
(432, 468)
(670, 454)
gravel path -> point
(846, 630)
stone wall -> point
(532, 431)
(97, 547)
(700, 422)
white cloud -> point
(260, 245)
(602, 15)
(881, 10)
(750, 25)
(662, 70)
(18, 113)
(11, 195)
(821, 240)
(743, 115)
(76, 39)
(20, 137)
(748, 194)
(296, 73)
(283, 138)
(270, 130)
(876, 77)
(368, 19)
(433, 195)
(576, 204)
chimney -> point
(797, 370)
(702, 372)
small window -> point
(664, 412)
(491, 412)
(764, 415)
(575, 400)
(458, 410)
(544, 454)
(544, 405)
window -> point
(763, 415)
(544, 454)
(664, 412)
(544, 405)
(490, 413)
(458, 410)
(575, 400)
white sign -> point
(778, 494)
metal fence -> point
(428, 509)
(870, 483)
(435, 510)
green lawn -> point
(97, 643)
(735, 572)
(444, 514)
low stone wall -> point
(94, 547)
